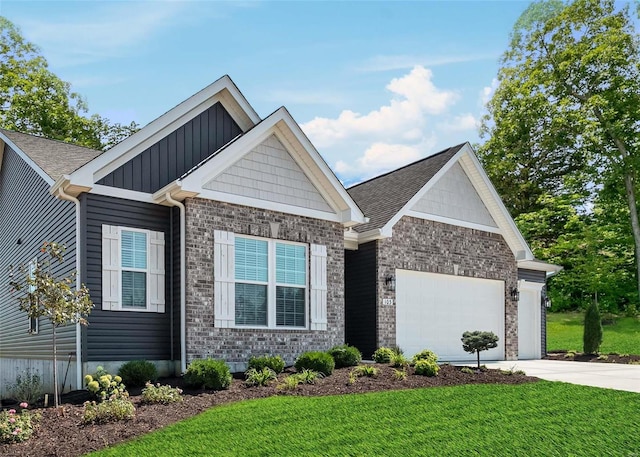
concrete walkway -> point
(606, 375)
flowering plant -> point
(103, 386)
(16, 426)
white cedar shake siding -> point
(30, 214)
(209, 335)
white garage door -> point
(433, 310)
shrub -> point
(117, 409)
(383, 355)
(208, 374)
(478, 341)
(398, 360)
(275, 362)
(592, 338)
(316, 361)
(425, 354)
(103, 386)
(16, 427)
(28, 386)
(260, 377)
(345, 355)
(467, 370)
(308, 376)
(137, 373)
(161, 394)
(570, 355)
(289, 383)
(399, 375)
(426, 368)
(365, 370)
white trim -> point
(26, 158)
(538, 265)
(223, 90)
(122, 193)
(451, 221)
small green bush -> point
(28, 386)
(345, 355)
(592, 336)
(308, 376)
(275, 362)
(426, 368)
(208, 374)
(467, 370)
(137, 373)
(399, 375)
(289, 383)
(321, 362)
(260, 377)
(398, 360)
(15, 426)
(103, 386)
(425, 354)
(365, 370)
(161, 394)
(383, 355)
(108, 411)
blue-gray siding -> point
(125, 335)
(532, 275)
(360, 298)
(176, 153)
(28, 213)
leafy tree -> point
(592, 338)
(53, 298)
(478, 341)
(564, 119)
(34, 100)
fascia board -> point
(223, 90)
(538, 265)
(48, 179)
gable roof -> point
(53, 158)
(382, 197)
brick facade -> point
(424, 245)
(236, 346)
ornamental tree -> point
(477, 341)
(592, 337)
(53, 298)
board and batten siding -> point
(30, 214)
(360, 298)
(124, 335)
(177, 153)
(532, 275)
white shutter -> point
(318, 287)
(224, 279)
(156, 272)
(110, 267)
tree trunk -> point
(478, 352)
(629, 186)
(56, 401)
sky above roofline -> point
(375, 85)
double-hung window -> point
(133, 277)
(267, 283)
(270, 283)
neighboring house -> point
(441, 255)
(212, 232)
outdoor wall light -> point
(390, 282)
(546, 301)
(515, 294)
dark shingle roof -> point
(54, 157)
(382, 197)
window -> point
(132, 269)
(33, 321)
(270, 283)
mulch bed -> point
(62, 433)
(603, 358)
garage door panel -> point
(433, 310)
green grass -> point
(564, 332)
(538, 419)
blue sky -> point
(375, 85)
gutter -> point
(60, 193)
(183, 277)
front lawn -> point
(537, 419)
(564, 332)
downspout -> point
(183, 277)
(70, 198)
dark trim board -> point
(361, 298)
(125, 335)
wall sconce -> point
(515, 294)
(546, 301)
(390, 282)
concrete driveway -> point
(606, 375)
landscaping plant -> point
(208, 374)
(16, 426)
(426, 368)
(161, 394)
(478, 341)
(365, 370)
(103, 386)
(137, 373)
(592, 338)
(275, 362)
(28, 386)
(383, 355)
(425, 354)
(345, 355)
(115, 409)
(321, 362)
(260, 377)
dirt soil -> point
(603, 358)
(62, 432)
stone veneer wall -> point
(236, 346)
(424, 245)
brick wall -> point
(235, 346)
(423, 245)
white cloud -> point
(487, 92)
(460, 123)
